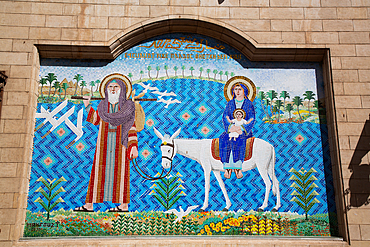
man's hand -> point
(86, 100)
(134, 153)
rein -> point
(148, 177)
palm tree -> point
(158, 69)
(130, 75)
(200, 70)
(278, 104)
(56, 86)
(232, 74)
(97, 82)
(166, 68)
(298, 101)
(60, 89)
(284, 95)
(272, 94)
(175, 69)
(183, 68)
(149, 69)
(191, 70)
(215, 73)
(78, 78)
(221, 73)
(309, 95)
(208, 71)
(65, 87)
(50, 78)
(43, 82)
(92, 84)
(268, 103)
(141, 74)
(227, 75)
(289, 108)
(262, 97)
(82, 85)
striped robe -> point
(110, 174)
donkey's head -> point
(168, 147)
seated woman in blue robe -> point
(232, 151)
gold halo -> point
(242, 80)
(111, 77)
(239, 109)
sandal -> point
(82, 209)
(227, 173)
(117, 210)
(238, 173)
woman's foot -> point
(238, 173)
(227, 173)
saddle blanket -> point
(216, 150)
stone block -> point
(22, 20)
(45, 33)
(61, 21)
(354, 142)
(244, 13)
(279, 3)
(358, 115)
(337, 25)
(123, 23)
(342, 50)
(250, 25)
(341, 115)
(345, 76)
(6, 45)
(365, 232)
(335, 3)
(307, 25)
(357, 88)
(364, 75)
(338, 88)
(361, 25)
(24, 45)
(79, 9)
(17, 71)
(356, 62)
(14, 32)
(266, 37)
(365, 101)
(15, 7)
(5, 232)
(157, 2)
(155, 11)
(293, 37)
(103, 34)
(336, 63)
(14, 58)
(8, 169)
(360, 243)
(215, 3)
(363, 50)
(7, 216)
(348, 102)
(16, 85)
(350, 128)
(360, 3)
(92, 22)
(281, 13)
(320, 13)
(47, 8)
(77, 34)
(343, 142)
(358, 216)
(124, 2)
(322, 37)
(354, 37)
(305, 3)
(8, 185)
(11, 112)
(137, 11)
(6, 200)
(9, 126)
(352, 13)
(11, 155)
(281, 25)
(17, 98)
(185, 3)
(117, 10)
(254, 3)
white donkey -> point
(263, 157)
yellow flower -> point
(206, 227)
(217, 229)
(209, 233)
(202, 231)
(219, 224)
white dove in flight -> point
(148, 87)
(162, 94)
(181, 213)
(168, 101)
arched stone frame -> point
(234, 37)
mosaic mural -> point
(180, 135)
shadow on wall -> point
(359, 182)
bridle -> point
(170, 158)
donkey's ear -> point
(157, 133)
(175, 134)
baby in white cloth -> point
(237, 121)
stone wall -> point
(343, 26)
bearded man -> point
(116, 146)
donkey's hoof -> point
(225, 210)
(200, 211)
(260, 210)
(274, 210)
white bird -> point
(181, 213)
(162, 94)
(148, 87)
(168, 101)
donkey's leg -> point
(207, 178)
(275, 182)
(266, 180)
(222, 186)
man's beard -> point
(114, 98)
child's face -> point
(239, 115)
